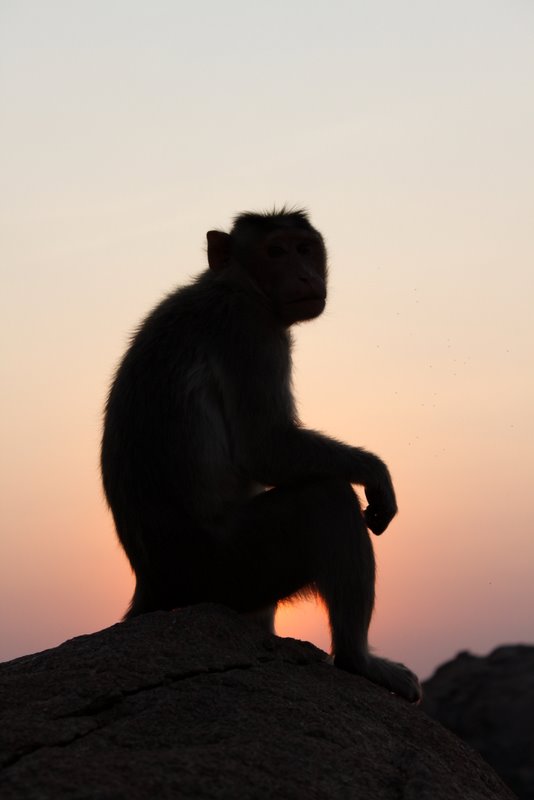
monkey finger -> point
(377, 521)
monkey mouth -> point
(303, 308)
(309, 299)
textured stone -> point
(200, 703)
(489, 702)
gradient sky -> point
(128, 129)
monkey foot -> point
(390, 674)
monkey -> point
(217, 491)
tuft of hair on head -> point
(268, 221)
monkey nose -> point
(306, 276)
(313, 282)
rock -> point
(489, 702)
(200, 703)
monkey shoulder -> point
(211, 338)
(206, 307)
(225, 318)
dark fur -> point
(199, 420)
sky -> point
(128, 129)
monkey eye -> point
(275, 251)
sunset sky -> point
(130, 128)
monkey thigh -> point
(288, 539)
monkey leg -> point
(310, 536)
(349, 596)
(346, 581)
(284, 541)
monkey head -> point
(284, 257)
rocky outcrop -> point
(199, 703)
(489, 702)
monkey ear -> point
(219, 249)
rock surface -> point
(199, 703)
(489, 702)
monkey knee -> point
(344, 493)
(333, 519)
(334, 494)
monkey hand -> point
(382, 504)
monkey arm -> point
(269, 445)
(293, 454)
